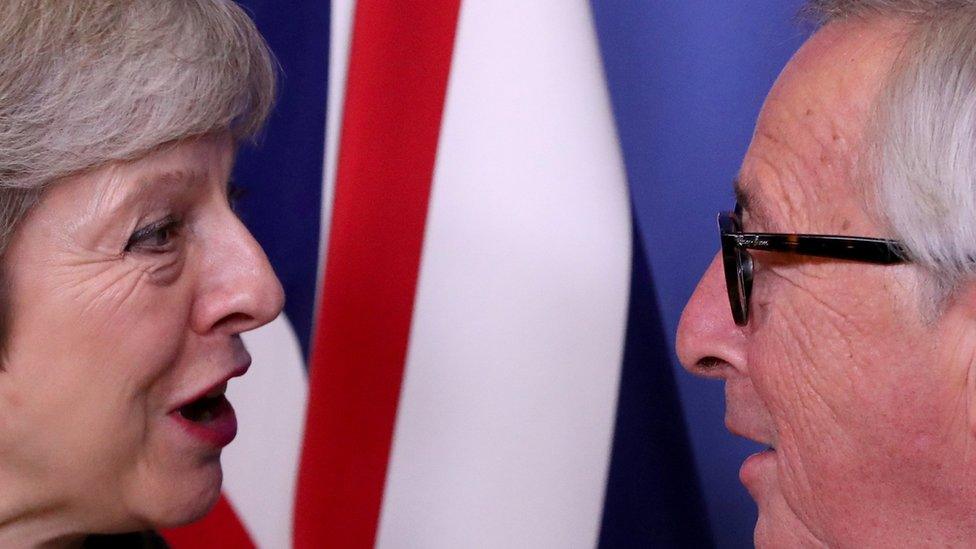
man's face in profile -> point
(862, 400)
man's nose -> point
(709, 343)
(238, 290)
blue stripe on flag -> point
(283, 176)
(653, 497)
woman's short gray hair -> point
(924, 132)
(87, 82)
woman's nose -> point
(238, 290)
(709, 342)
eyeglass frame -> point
(738, 263)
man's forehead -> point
(804, 157)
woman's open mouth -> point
(209, 418)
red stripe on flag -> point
(399, 63)
(220, 528)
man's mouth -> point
(757, 466)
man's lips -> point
(754, 466)
(751, 429)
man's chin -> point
(777, 527)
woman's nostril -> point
(238, 319)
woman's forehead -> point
(177, 167)
(122, 190)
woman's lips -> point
(217, 427)
(756, 466)
(209, 417)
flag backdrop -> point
(487, 215)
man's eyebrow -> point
(748, 202)
(742, 198)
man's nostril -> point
(710, 362)
(709, 365)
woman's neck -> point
(26, 520)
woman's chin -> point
(182, 499)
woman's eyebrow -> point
(147, 184)
(184, 177)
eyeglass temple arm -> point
(871, 250)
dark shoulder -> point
(135, 540)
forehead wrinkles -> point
(801, 157)
(146, 182)
(804, 160)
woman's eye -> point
(158, 237)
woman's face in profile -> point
(128, 287)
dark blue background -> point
(282, 177)
(687, 78)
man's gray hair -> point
(87, 82)
(924, 131)
(829, 10)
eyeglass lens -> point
(737, 264)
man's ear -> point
(957, 325)
(963, 297)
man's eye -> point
(158, 237)
(234, 194)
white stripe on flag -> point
(507, 410)
(340, 37)
(261, 465)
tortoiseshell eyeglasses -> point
(738, 262)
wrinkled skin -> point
(109, 335)
(867, 402)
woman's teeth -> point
(217, 391)
(204, 408)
